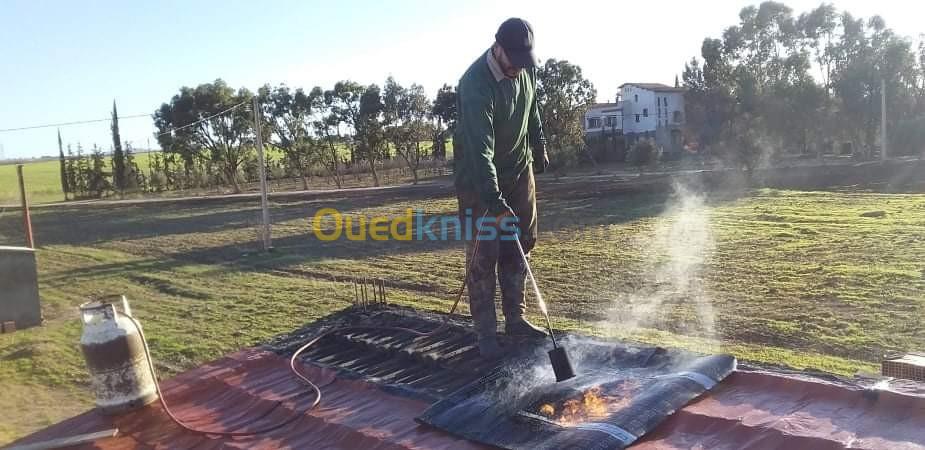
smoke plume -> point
(672, 296)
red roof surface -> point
(761, 410)
(372, 395)
(240, 392)
(749, 410)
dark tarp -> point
(649, 385)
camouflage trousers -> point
(499, 257)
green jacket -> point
(499, 122)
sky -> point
(67, 61)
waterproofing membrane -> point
(501, 409)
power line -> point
(134, 116)
(79, 122)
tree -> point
(817, 28)
(405, 112)
(134, 178)
(757, 78)
(82, 173)
(343, 103)
(97, 182)
(371, 143)
(174, 135)
(119, 172)
(71, 172)
(563, 95)
(62, 162)
(443, 113)
(208, 117)
(290, 116)
(326, 127)
(866, 53)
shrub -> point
(643, 152)
(908, 138)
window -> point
(637, 118)
(645, 112)
(677, 117)
(594, 122)
(665, 100)
(610, 121)
(636, 98)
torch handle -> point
(536, 290)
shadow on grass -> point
(600, 204)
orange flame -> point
(592, 405)
(547, 410)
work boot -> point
(489, 347)
(520, 327)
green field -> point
(43, 182)
(800, 278)
(43, 178)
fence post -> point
(26, 218)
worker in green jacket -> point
(498, 145)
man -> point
(498, 145)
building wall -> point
(602, 116)
(640, 113)
(638, 106)
(660, 115)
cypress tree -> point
(119, 173)
(63, 163)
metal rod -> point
(26, 217)
(536, 290)
(356, 293)
(365, 293)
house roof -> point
(657, 87)
(376, 382)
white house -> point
(642, 110)
(604, 117)
(653, 110)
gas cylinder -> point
(116, 356)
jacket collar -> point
(494, 67)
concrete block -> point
(907, 367)
(19, 287)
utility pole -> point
(883, 140)
(26, 218)
(267, 244)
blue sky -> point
(67, 60)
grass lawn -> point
(800, 278)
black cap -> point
(515, 36)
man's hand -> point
(499, 210)
(505, 212)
